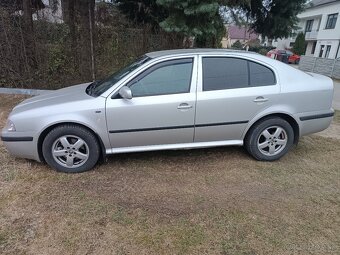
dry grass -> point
(211, 201)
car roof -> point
(164, 53)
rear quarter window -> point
(260, 75)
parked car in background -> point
(281, 54)
(293, 58)
(174, 99)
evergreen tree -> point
(143, 11)
(272, 18)
(197, 19)
(300, 44)
(202, 20)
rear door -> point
(231, 91)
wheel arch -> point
(44, 133)
(294, 124)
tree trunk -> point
(28, 33)
(86, 13)
(69, 16)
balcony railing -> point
(311, 35)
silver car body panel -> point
(215, 118)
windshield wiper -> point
(91, 88)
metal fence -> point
(328, 67)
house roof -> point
(316, 3)
(236, 32)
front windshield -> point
(99, 87)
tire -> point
(270, 145)
(71, 149)
(297, 62)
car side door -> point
(231, 92)
(162, 108)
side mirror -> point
(125, 92)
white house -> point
(52, 12)
(321, 25)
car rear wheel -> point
(270, 139)
(71, 149)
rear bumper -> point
(21, 144)
(315, 122)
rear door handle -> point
(184, 106)
(261, 100)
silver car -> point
(173, 100)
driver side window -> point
(169, 77)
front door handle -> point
(261, 100)
(184, 106)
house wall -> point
(323, 11)
(334, 48)
(319, 33)
(309, 49)
(282, 44)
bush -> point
(300, 44)
(237, 45)
(60, 60)
(263, 51)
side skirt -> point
(174, 146)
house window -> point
(331, 21)
(321, 51)
(309, 25)
(313, 48)
(328, 50)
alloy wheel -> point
(70, 151)
(272, 140)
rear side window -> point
(231, 73)
(224, 73)
(260, 75)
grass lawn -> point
(207, 201)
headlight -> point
(10, 126)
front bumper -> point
(21, 144)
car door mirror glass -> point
(125, 92)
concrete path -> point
(336, 99)
(31, 92)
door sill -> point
(174, 146)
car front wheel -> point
(71, 149)
(270, 139)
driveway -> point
(336, 99)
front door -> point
(162, 108)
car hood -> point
(60, 96)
